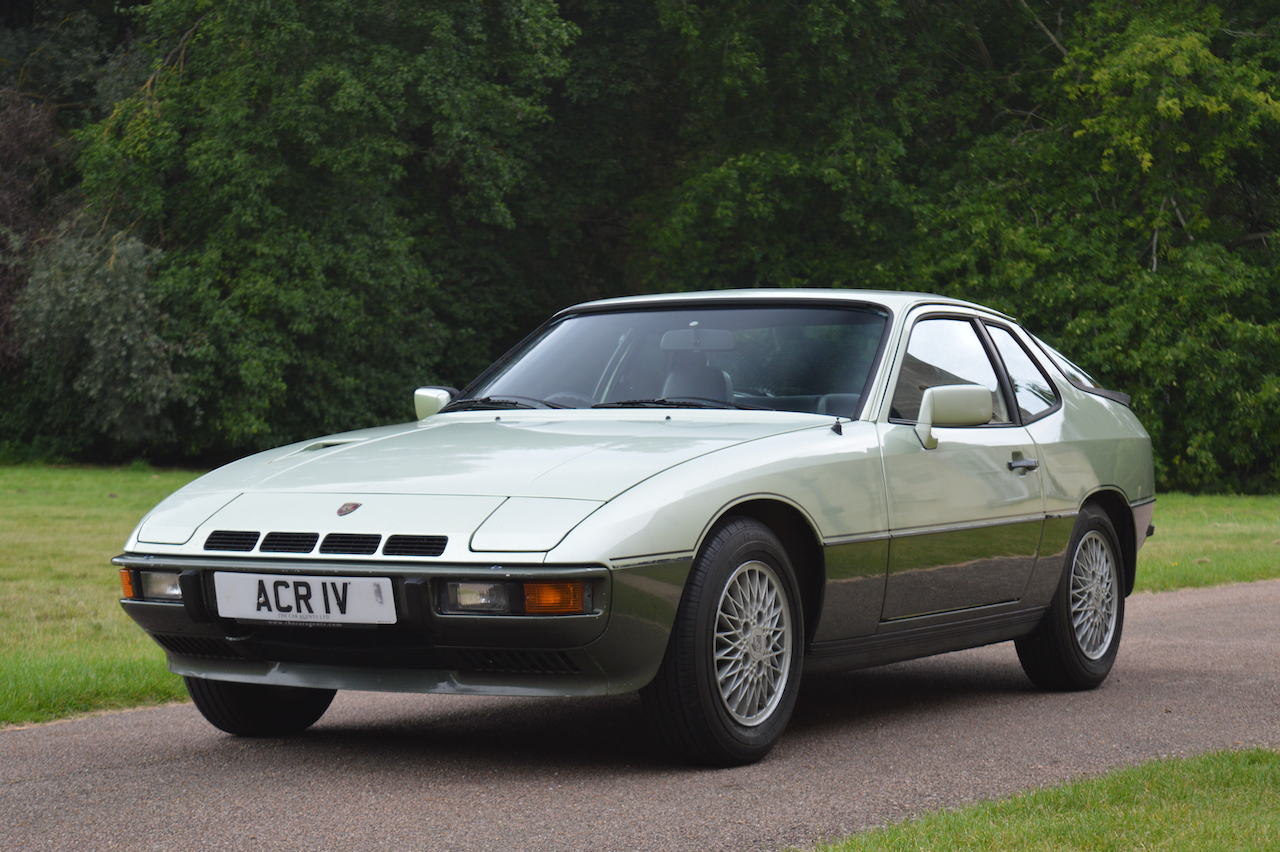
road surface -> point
(1198, 670)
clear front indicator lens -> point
(477, 597)
(160, 586)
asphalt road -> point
(1198, 671)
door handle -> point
(1024, 464)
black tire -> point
(1075, 645)
(258, 710)
(719, 702)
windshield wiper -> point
(499, 402)
(672, 402)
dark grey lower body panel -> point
(907, 642)
(617, 648)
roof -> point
(895, 300)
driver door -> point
(965, 524)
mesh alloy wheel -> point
(1094, 584)
(753, 641)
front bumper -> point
(616, 647)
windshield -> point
(814, 359)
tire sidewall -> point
(258, 710)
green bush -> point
(93, 337)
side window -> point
(1032, 389)
(944, 352)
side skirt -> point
(908, 643)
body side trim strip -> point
(855, 539)
(914, 642)
(655, 559)
(968, 525)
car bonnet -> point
(458, 469)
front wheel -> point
(1075, 645)
(728, 681)
(256, 709)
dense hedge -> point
(313, 207)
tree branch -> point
(1253, 238)
(1045, 30)
(182, 42)
(1155, 235)
(1178, 210)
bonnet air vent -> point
(231, 540)
(289, 542)
(358, 545)
(415, 545)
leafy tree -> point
(26, 137)
(92, 333)
(335, 201)
(1104, 170)
(1125, 219)
(61, 64)
(296, 160)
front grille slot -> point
(289, 542)
(197, 646)
(238, 540)
(349, 543)
(518, 662)
(415, 545)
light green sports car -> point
(695, 496)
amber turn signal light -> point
(559, 598)
(126, 582)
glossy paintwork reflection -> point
(646, 596)
(589, 455)
(832, 480)
(1091, 441)
(1050, 561)
(945, 571)
(945, 491)
(854, 594)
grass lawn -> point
(1212, 803)
(68, 648)
(1209, 541)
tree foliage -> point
(95, 341)
(1106, 171)
(335, 201)
(294, 160)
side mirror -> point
(952, 405)
(427, 401)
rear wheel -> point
(728, 682)
(258, 710)
(1075, 645)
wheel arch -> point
(1121, 516)
(803, 547)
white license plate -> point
(305, 599)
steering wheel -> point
(571, 399)
(748, 390)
